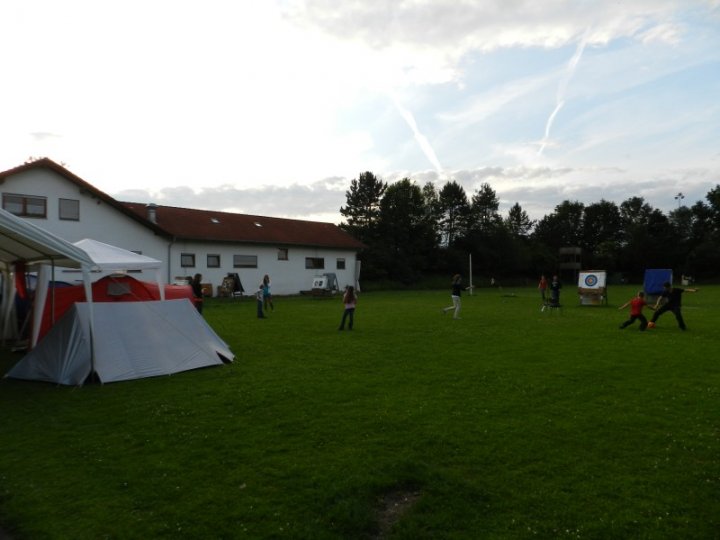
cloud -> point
(562, 88)
(421, 139)
(319, 201)
(44, 135)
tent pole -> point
(52, 298)
(470, 271)
(89, 299)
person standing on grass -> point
(555, 287)
(196, 284)
(349, 301)
(267, 296)
(636, 306)
(259, 297)
(456, 291)
(542, 287)
(672, 298)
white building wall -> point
(102, 222)
(286, 276)
(98, 220)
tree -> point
(645, 238)
(363, 205)
(602, 229)
(407, 235)
(453, 211)
(563, 227)
(484, 206)
(713, 199)
(518, 223)
(363, 214)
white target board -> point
(593, 279)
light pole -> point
(679, 197)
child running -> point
(636, 306)
(455, 296)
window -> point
(69, 209)
(282, 254)
(314, 263)
(25, 205)
(213, 261)
(340, 265)
(244, 261)
(187, 260)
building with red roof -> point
(188, 241)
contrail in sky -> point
(562, 88)
(419, 137)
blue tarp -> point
(654, 279)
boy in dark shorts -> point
(636, 306)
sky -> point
(272, 107)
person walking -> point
(636, 306)
(542, 287)
(456, 291)
(672, 298)
(267, 295)
(259, 297)
(349, 301)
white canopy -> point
(114, 259)
(105, 258)
(21, 240)
(25, 242)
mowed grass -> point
(509, 423)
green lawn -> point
(509, 423)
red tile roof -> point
(212, 226)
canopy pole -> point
(470, 271)
(52, 297)
(89, 299)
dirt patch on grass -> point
(391, 507)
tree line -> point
(412, 231)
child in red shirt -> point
(636, 306)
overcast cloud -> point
(272, 108)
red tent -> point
(114, 288)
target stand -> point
(592, 288)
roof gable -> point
(46, 163)
(209, 225)
(213, 226)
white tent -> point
(114, 259)
(24, 242)
(106, 259)
(131, 340)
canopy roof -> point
(20, 240)
(115, 259)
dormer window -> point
(214, 220)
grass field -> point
(509, 423)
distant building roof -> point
(213, 226)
